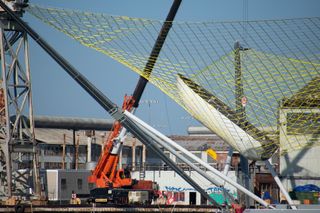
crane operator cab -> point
(124, 173)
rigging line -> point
(167, 113)
(245, 11)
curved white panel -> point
(217, 122)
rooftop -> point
(190, 142)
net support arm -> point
(142, 82)
(155, 52)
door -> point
(192, 198)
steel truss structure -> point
(17, 140)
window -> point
(127, 155)
(79, 183)
(63, 184)
(210, 159)
(152, 158)
(179, 196)
(138, 155)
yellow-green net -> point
(265, 88)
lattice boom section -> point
(258, 94)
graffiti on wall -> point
(215, 192)
(177, 189)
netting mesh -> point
(258, 93)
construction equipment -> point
(114, 185)
(105, 173)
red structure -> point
(106, 174)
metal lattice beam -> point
(16, 104)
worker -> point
(122, 176)
(74, 199)
(283, 199)
(73, 195)
(267, 197)
(238, 208)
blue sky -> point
(56, 94)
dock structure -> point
(152, 208)
(113, 208)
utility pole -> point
(18, 146)
(64, 152)
(77, 152)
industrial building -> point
(66, 158)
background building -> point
(69, 154)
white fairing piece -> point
(218, 123)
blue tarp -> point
(307, 188)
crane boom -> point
(155, 52)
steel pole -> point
(228, 161)
(241, 113)
(155, 52)
(281, 187)
(7, 140)
(142, 82)
(35, 161)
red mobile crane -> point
(114, 185)
(105, 173)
